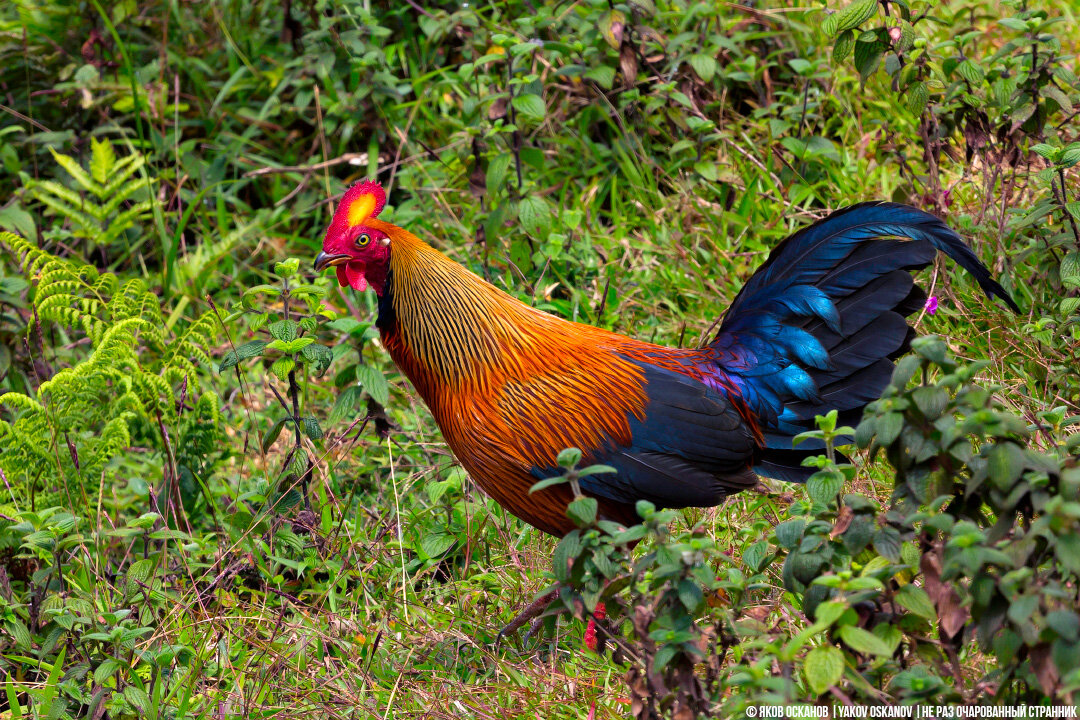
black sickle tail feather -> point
(818, 325)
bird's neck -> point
(441, 323)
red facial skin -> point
(368, 261)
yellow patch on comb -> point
(360, 209)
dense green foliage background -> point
(221, 499)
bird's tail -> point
(818, 325)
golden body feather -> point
(510, 386)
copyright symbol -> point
(751, 711)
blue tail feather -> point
(818, 325)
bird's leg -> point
(532, 612)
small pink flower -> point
(931, 304)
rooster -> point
(815, 328)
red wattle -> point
(351, 274)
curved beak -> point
(323, 261)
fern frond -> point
(102, 161)
(75, 170)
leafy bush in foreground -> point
(977, 552)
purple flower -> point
(931, 304)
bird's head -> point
(356, 242)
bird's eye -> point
(363, 240)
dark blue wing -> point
(692, 449)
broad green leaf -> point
(496, 173)
(845, 42)
(867, 57)
(863, 641)
(704, 66)
(374, 382)
(855, 14)
(790, 532)
(915, 599)
(567, 550)
(530, 105)
(823, 666)
(970, 72)
(435, 545)
(535, 215)
(1070, 268)
(823, 486)
(311, 427)
(137, 575)
(582, 510)
(917, 96)
(292, 346)
(602, 75)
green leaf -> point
(137, 575)
(1013, 24)
(790, 532)
(102, 159)
(137, 698)
(287, 268)
(548, 482)
(823, 486)
(970, 72)
(888, 427)
(915, 599)
(496, 173)
(282, 367)
(704, 66)
(435, 545)
(664, 655)
(855, 14)
(284, 330)
(863, 641)
(867, 57)
(311, 427)
(931, 401)
(582, 510)
(830, 611)
(1070, 268)
(887, 543)
(602, 75)
(292, 346)
(21, 634)
(12, 698)
(319, 356)
(1005, 462)
(530, 105)
(535, 215)
(918, 94)
(567, 550)
(568, 458)
(823, 666)
(105, 670)
(1070, 157)
(1055, 94)
(690, 595)
(1046, 150)
(755, 555)
(245, 351)
(374, 382)
(845, 42)
(272, 435)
